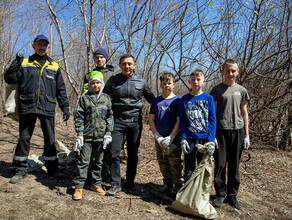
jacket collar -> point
(32, 58)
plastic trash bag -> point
(193, 197)
(11, 103)
(65, 157)
(35, 162)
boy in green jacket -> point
(93, 125)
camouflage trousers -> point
(170, 166)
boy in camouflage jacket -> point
(93, 125)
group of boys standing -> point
(110, 109)
(200, 118)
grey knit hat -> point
(101, 51)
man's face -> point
(197, 82)
(167, 86)
(95, 85)
(230, 73)
(41, 47)
(99, 60)
(127, 66)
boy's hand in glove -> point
(167, 141)
(158, 138)
(212, 148)
(185, 146)
(78, 143)
(246, 142)
(106, 141)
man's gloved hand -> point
(19, 58)
(185, 146)
(246, 142)
(212, 148)
(106, 141)
(66, 114)
(78, 143)
(167, 141)
(158, 137)
(16, 63)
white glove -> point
(216, 143)
(78, 143)
(246, 142)
(106, 141)
(185, 146)
(212, 148)
(167, 141)
(158, 137)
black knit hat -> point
(103, 52)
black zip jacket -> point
(126, 94)
(40, 87)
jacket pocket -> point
(138, 91)
(26, 101)
(50, 104)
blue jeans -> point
(192, 156)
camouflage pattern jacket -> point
(94, 116)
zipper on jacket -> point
(128, 95)
(38, 95)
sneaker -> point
(16, 178)
(218, 201)
(77, 194)
(131, 188)
(98, 189)
(232, 200)
(113, 190)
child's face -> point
(167, 86)
(230, 73)
(95, 85)
(197, 82)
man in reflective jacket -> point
(40, 86)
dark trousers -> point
(26, 128)
(132, 129)
(192, 157)
(230, 146)
(91, 152)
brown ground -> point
(265, 192)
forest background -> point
(174, 35)
(178, 36)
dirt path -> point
(265, 191)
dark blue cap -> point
(41, 37)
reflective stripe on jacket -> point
(39, 87)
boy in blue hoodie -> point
(93, 125)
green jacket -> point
(94, 116)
